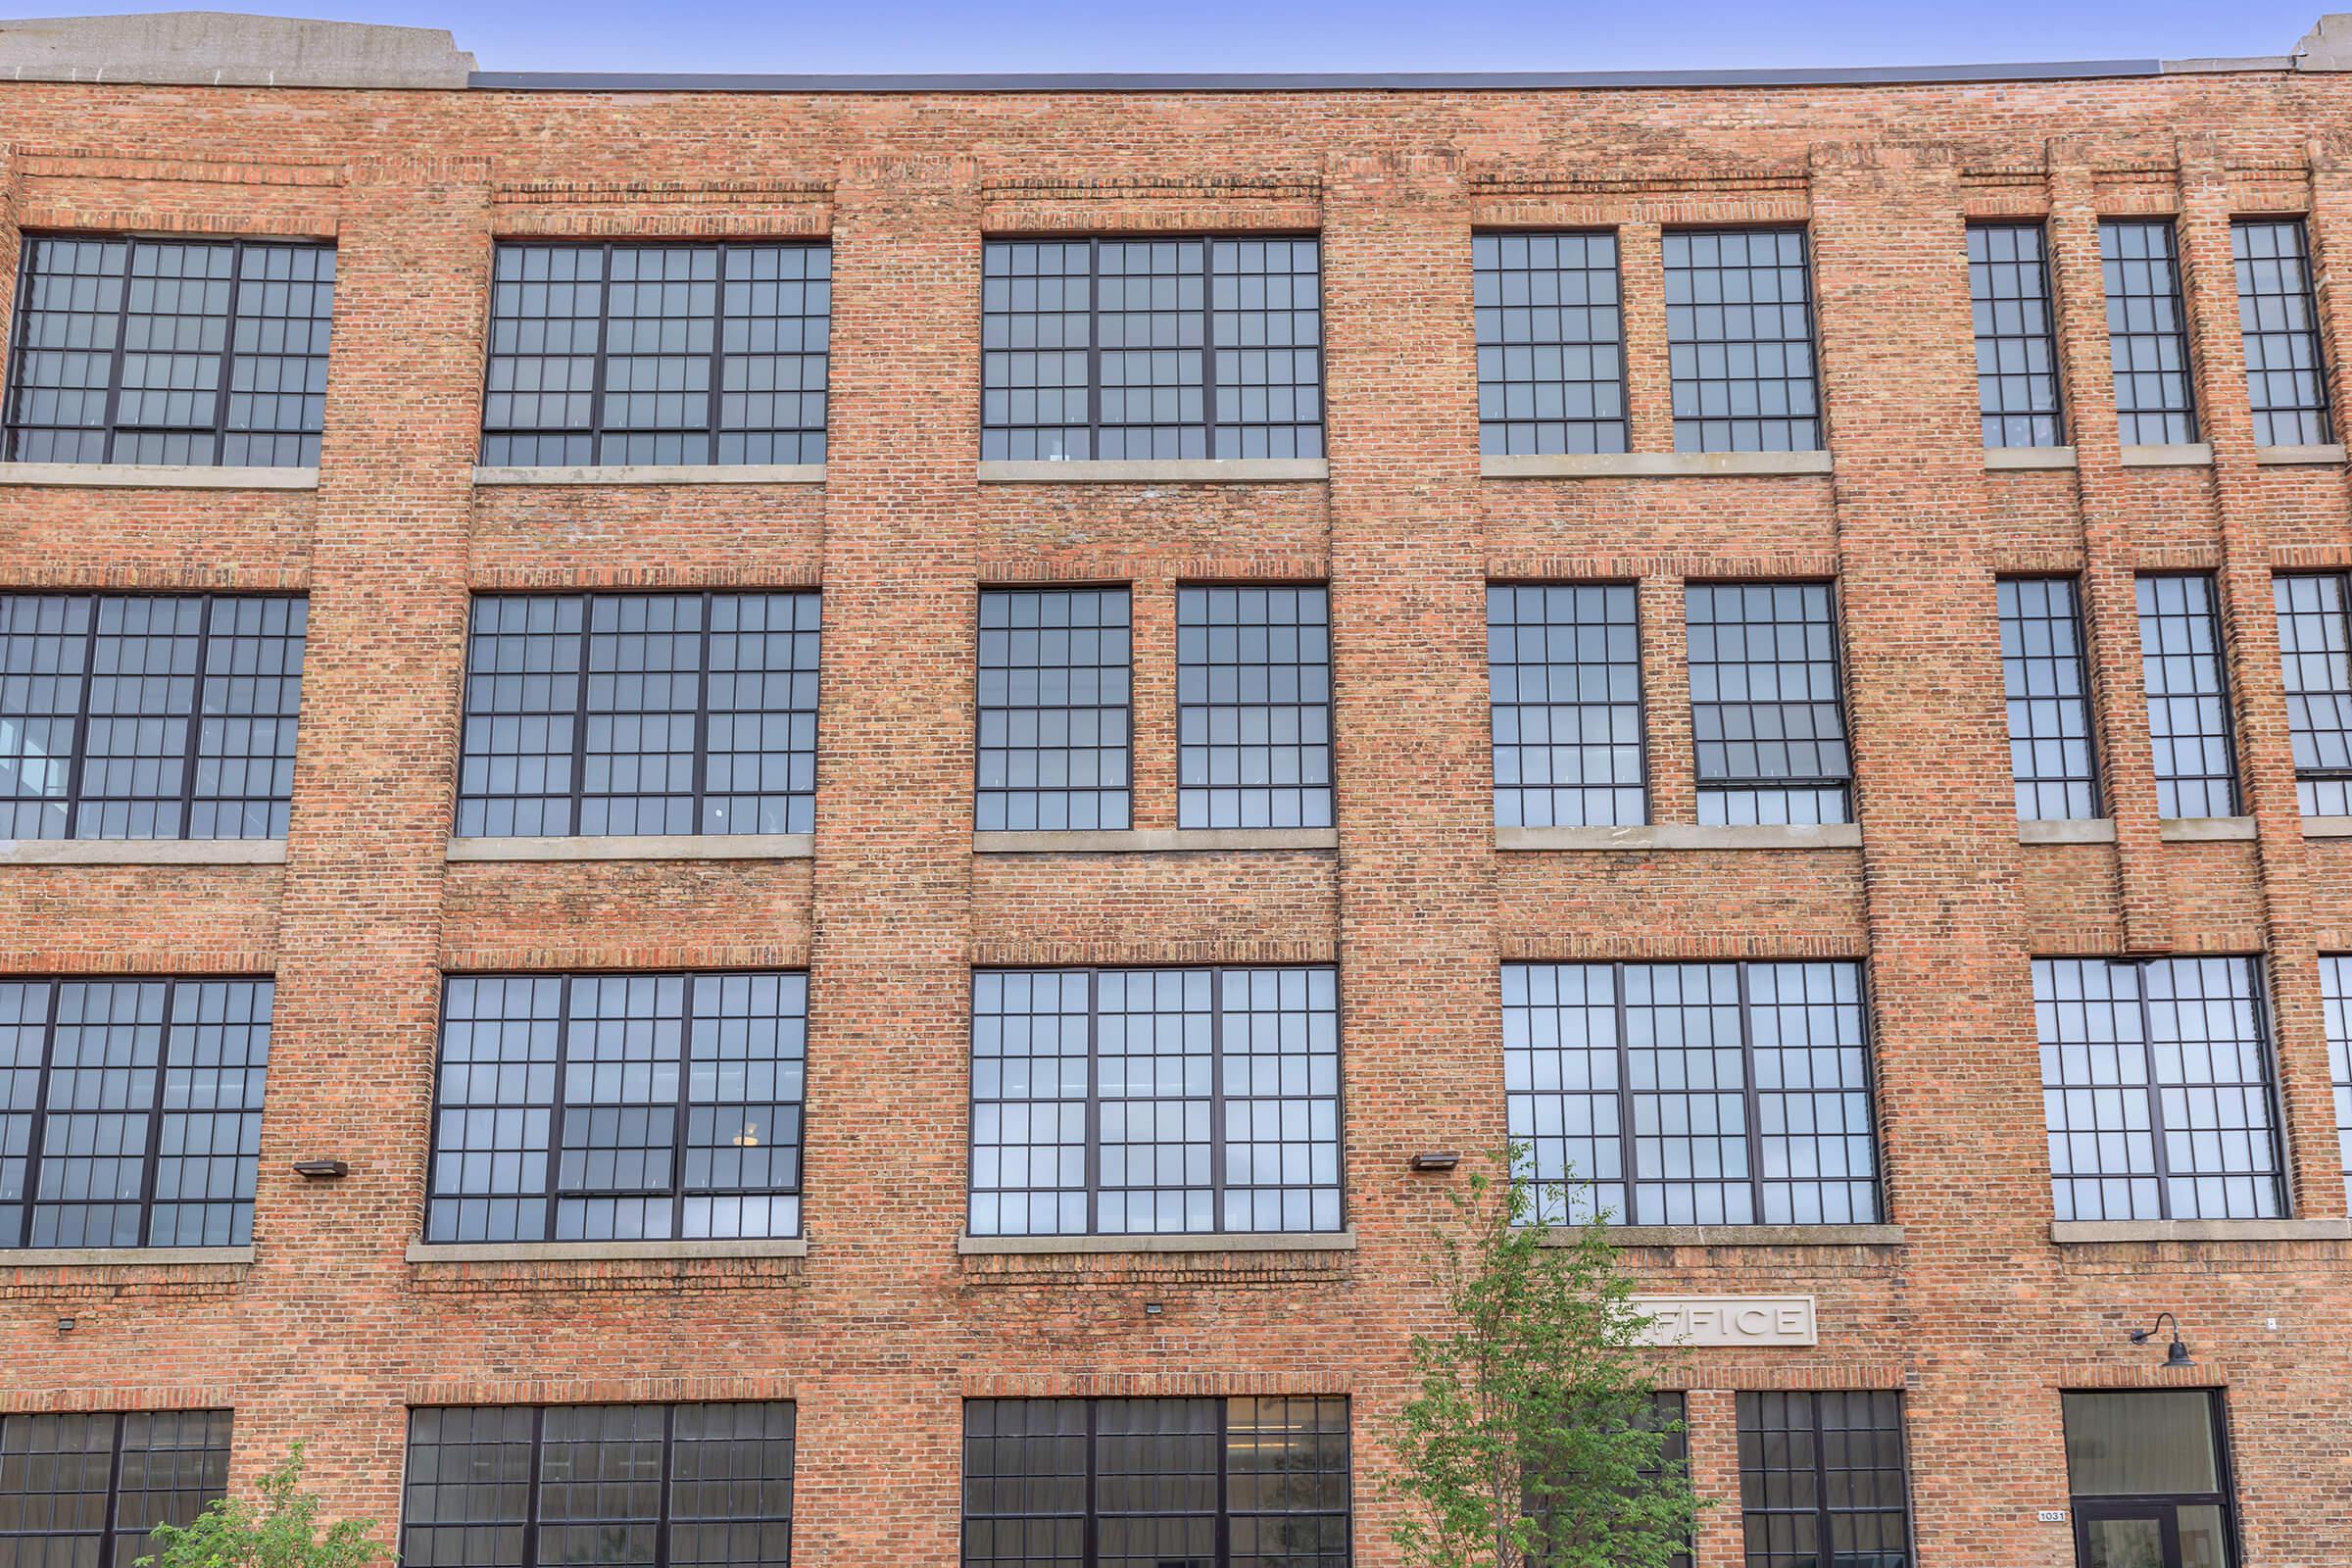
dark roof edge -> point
(1319, 81)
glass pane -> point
(2204, 1536)
(2139, 1442)
(2125, 1543)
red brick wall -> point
(884, 1328)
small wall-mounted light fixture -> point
(1152, 1310)
(64, 1325)
(2175, 1353)
(1436, 1160)
(321, 1170)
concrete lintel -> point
(2328, 827)
(142, 852)
(1199, 471)
(641, 847)
(154, 476)
(2179, 454)
(1240, 1242)
(2206, 829)
(1156, 841)
(602, 1251)
(659, 473)
(1653, 464)
(1739, 1235)
(2000, 458)
(1680, 836)
(121, 1256)
(2325, 452)
(2086, 830)
(2093, 1231)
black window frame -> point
(1038, 793)
(213, 1455)
(2146, 598)
(2335, 999)
(2316, 784)
(1520, 788)
(596, 432)
(1496, 431)
(2090, 779)
(2088, 1504)
(1818, 417)
(2047, 338)
(224, 389)
(1748, 1413)
(1208, 798)
(2321, 408)
(1760, 787)
(2128, 429)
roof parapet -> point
(224, 49)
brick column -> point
(1649, 380)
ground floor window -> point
(83, 1491)
(1821, 1480)
(2150, 1478)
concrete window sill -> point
(1680, 835)
(647, 846)
(659, 473)
(2205, 829)
(2185, 454)
(602, 1251)
(2096, 1232)
(1249, 1242)
(1740, 1236)
(1205, 471)
(1653, 464)
(2300, 455)
(2084, 830)
(156, 476)
(142, 852)
(2328, 827)
(121, 1256)
(1156, 841)
(2003, 459)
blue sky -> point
(870, 35)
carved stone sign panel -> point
(1730, 1319)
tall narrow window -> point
(1767, 716)
(627, 714)
(2151, 1477)
(2049, 704)
(2286, 375)
(1253, 708)
(87, 1491)
(1739, 341)
(618, 1108)
(2156, 1080)
(657, 354)
(2188, 697)
(170, 351)
(2314, 656)
(2147, 332)
(1564, 695)
(131, 1110)
(1239, 1482)
(2017, 348)
(148, 717)
(1139, 1102)
(599, 1486)
(1692, 1093)
(2336, 987)
(1053, 709)
(1551, 343)
(1822, 1480)
(1150, 349)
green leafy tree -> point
(281, 1531)
(1533, 1437)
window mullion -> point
(596, 369)
(78, 757)
(2147, 1049)
(228, 350)
(1209, 346)
(1093, 1103)
(155, 1118)
(719, 339)
(112, 1515)
(1223, 1529)
(113, 365)
(1092, 1542)
(40, 1117)
(1093, 348)
(552, 1182)
(1216, 1099)
(677, 1149)
(195, 742)
(1747, 1101)
(1826, 1548)
(1626, 1137)
(531, 1507)
(669, 1433)
(579, 726)
(700, 784)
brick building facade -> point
(1956, 1270)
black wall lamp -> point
(1437, 1159)
(2175, 1353)
(320, 1170)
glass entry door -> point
(2127, 1536)
(2150, 1478)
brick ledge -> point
(657, 473)
(142, 852)
(1141, 840)
(1199, 470)
(1739, 1235)
(2097, 1232)
(602, 1251)
(1232, 1242)
(156, 476)
(1654, 464)
(640, 847)
(1680, 836)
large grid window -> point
(131, 1110)
(2286, 375)
(603, 1485)
(2315, 654)
(1691, 1094)
(2017, 348)
(200, 352)
(1822, 1480)
(2147, 332)
(1253, 708)
(148, 717)
(2188, 697)
(1551, 344)
(87, 1491)
(1239, 1482)
(2336, 987)
(1767, 716)
(1564, 698)
(1151, 1101)
(1150, 349)
(1739, 341)
(618, 1108)
(2043, 672)
(624, 713)
(1054, 693)
(658, 354)
(2156, 1081)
